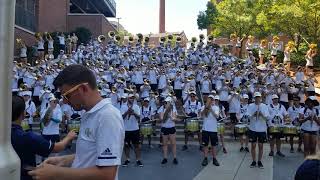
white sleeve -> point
(109, 139)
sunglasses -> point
(67, 96)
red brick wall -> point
(97, 24)
(53, 15)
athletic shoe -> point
(253, 164)
(246, 149)
(241, 149)
(271, 153)
(126, 163)
(185, 147)
(175, 161)
(260, 165)
(139, 163)
(299, 150)
(215, 162)
(224, 150)
(200, 148)
(164, 161)
(280, 154)
(204, 162)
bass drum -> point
(290, 130)
(240, 128)
(192, 125)
(221, 128)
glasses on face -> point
(67, 95)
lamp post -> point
(118, 24)
(9, 161)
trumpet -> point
(117, 38)
(19, 40)
(114, 89)
(131, 39)
(101, 38)
(170, 37)
(201, 36)
(162, 39)
(146, 39)
(210, 38)
(37, 35)
(23, 87)
(111, 34)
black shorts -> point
(274, 55)
(212, 136)
(275, 135)
(309, 132)
(167, 131)
(52, 138)
(40, 50)
(261, 137)
(225, 104)
(233, 118)
(132, 137)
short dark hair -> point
(18, 107)
(74, 75)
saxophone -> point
(47, 116)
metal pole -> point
(118, 24)
(9, 161)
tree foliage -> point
(263, 17)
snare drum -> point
(220, 128)
(275, 129)
(290, 130)
(146, 129)
(25, 125)
(240, 128)
(192, 125)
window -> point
(25, 14)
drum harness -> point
(276, 119)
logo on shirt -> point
(88, 132)
(106, 152)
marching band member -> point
(222, 116)
(192, 108)
(242, 116)
(294, 114)
(277, 116)
(239, 45)
(287, 51)
(262, 50)
(51, 118)
(168, 114)
(258, 114)
(210, 113)
(234, 107)
(249, 44)
(147, 115)
(311, 53)
(274, 49)
(131, 115)
(30, 107)
(310, 123)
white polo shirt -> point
(210, 122)
(131, 122)
(101, 137)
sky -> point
(142, 16)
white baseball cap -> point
(168, 99)
(245, 96)
(124, 95)
(257, 94)
(52, 98)
(274, 96)
(216, 97)
(211, 96)
(146, 99)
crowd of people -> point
(204, 86)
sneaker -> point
(164, 161)
(185, 147)
(175, 161)
(224, 150)
(126, 163)
(246, 149)
(151, 146)
(291, 150)
(299, 150)
(204, 162)
(200, 148)
(215, 162)
(241, 149)
(139, 163)
(280, 154)
(253, 164)
(271, 153)
(260, 165)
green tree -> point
(207, 17)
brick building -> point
(62, 15)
